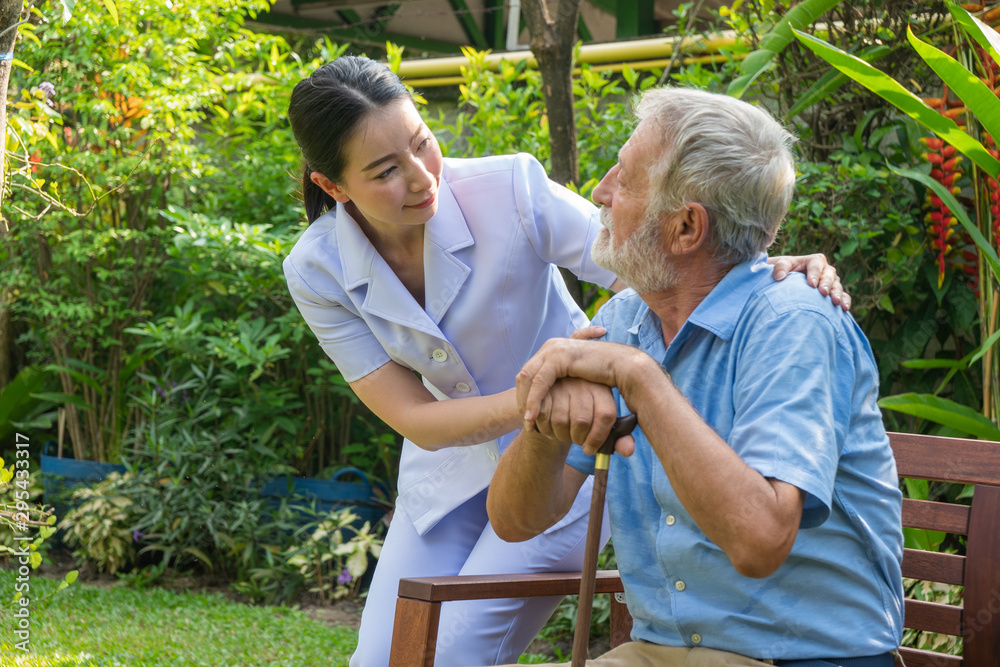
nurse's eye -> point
(385, 174)
(423, 144)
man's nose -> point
(603, 193)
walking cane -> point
(581, 638)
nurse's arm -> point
(397, 396)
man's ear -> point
(329, 187)
(691, 229)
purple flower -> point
(136, 535)
(47, 88)
(344, 577)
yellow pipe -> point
(642, 49)
(610, 67)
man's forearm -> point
(532, 488)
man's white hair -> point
(732, 158)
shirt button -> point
(680, 585)
(493, 457)
(464, 388)
(671, 520)
(439, 356)
(696, 638)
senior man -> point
(756, 518)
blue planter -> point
(61, 476)
(361, 497)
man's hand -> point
(599, 362)
(818, 272)
(583, 412)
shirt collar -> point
(718, 312)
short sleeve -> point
(792, 402)
(344, 335)
(579, 460)
(560, 224)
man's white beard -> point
(639, 261)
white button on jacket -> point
(493, 295)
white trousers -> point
(476, 632)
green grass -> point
(87, 626)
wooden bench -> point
(976, 622)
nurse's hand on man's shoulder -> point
(819, 273)
(588, 333)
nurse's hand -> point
(819, 273)
(587, 333)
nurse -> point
(429, 282)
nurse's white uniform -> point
(493, 295)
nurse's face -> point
(393, 169)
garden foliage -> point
(153, 199)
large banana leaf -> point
(978, 98)
(831, 81)
(945, 412)
(984, 35)
(775, 41)
(18, 398)
(891, 91)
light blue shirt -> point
(789, 382)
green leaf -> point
(110, 6)
(943, 411)
(986, 251)
(16, 400)
(630, 76)
(67, 9)
(831, 81)
(357, 563)
(918, 538)
(71, 576)
(891, 91)
(918, 489)
(978, 98)
(934, 363)
(984, 348)
(984, 35)
(53, 397)
(775, 41)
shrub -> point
(99, 527)
(328, 560)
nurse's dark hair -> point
(324, 111)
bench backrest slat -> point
(933, 566)
(977, 621)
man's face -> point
(631, 243)
(625, 189)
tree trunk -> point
(552, 44)
(10, 14)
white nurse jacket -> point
(493, 295)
